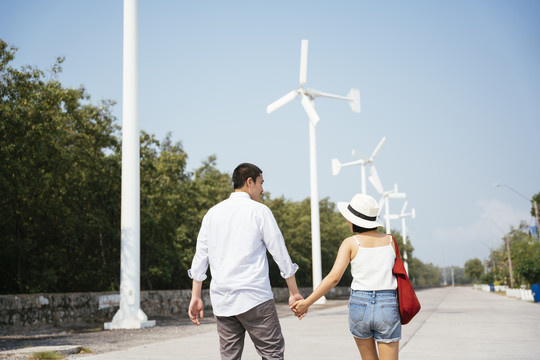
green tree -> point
(164, 200)
(474, 269)
(525, 256)
(535, 199)
(58, 173)
(529, 267)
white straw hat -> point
(361, 211)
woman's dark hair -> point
(243, 172)
(359, 229)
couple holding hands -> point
(233, 240)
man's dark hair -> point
(359, 229)
(243, 172)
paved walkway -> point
(455, 323)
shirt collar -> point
(239, 194)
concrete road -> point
(454, 323)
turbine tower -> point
(386, 195)
(403, 215)
(336, 165)
(307, 97)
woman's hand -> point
(300, 308)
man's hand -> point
(300, 308)
(293, 300)
(196, 307)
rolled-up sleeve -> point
(275, 243)
(199, 265)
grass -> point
(53, 355)
(85, 350)
(47, 355)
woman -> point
(374, 319)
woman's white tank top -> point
(371, 268)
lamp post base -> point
(125, 321)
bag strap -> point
(399, 267)
(396, 248)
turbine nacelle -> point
(390, 194)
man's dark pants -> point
(262, 325)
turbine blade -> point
(303, 62)
(381, 204)
(359, 156)
(281, 101)
(413, 213)
(375, 180)
(310, 110)
(381, 143)
(403, 208)
(354, 102)
(336, 166)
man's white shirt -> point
(233, 239)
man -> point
(233, 240)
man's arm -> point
(294, 293)
(275, 244)
(196, 305)
(199, 266)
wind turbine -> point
(307, 97)
(403, 215)
(336, 165)
(390, 194)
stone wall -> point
(38, 310)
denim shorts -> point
(375, 314)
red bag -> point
(409, 305)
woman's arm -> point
(343, 259)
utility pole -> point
(509, 261)
(535, 204)
(507, 250)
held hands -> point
(300, 308)
(196, 307)
(294, 302)
(294, 299)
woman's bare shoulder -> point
(349, 241)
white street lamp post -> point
(130, 315)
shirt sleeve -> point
(275, 244)
(199, 265)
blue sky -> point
(453, 85)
